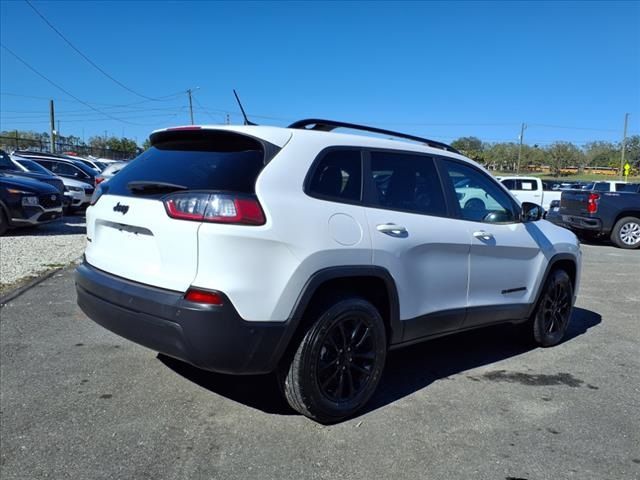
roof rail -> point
(329, 125)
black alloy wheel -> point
(346, 358)
(338, 363)
(553, 312)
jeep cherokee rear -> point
(258, 249)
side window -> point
(527, 185)
(509, 183)
(601, 187)
(48, 165)
(70, 170)
(338, 176)
(480, 199)
(407, 182)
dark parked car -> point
(25, 202)
(61, 166)
(8, 166)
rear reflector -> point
(202, 296)
(215, 208)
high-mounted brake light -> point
(214, 208)
(190, 127)
(592, 202)
(203, 296)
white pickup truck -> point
(530, 189)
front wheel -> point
(553, 312)
(626, 233)
(4, 223)
(338, 363)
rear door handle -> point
(482, 235)
(392, 229)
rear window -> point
(197, 160)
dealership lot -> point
(80, 402)
(30, 252)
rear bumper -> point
(210, 337)
(582, 223)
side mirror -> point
(531, 212)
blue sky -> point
(442, 70)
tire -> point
(4, 223)
(476, 205)
(626, 233)
(338, 364)
(548, 324)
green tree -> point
(601, 154)
(632, 151)
(472, 147)
(501, 156)
(563, 154)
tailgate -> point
(574, 201)
(143, 244)
(131, 232)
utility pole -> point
(190, 105)
(52, 127)
(522, 129)
(624, 145)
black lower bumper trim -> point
(210, 337)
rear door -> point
(130, 232)
(426, 252)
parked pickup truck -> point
(610, 186)
(530, 189)
(613, 214)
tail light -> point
(203, 296)
(592, 202)
(97, 193)
(215, 208)
(99, 180)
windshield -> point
(6, 163)
(86, 169)
(209, 161)
(34, 167)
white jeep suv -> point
(311, 253)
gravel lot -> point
(79, 402)
(28, 252)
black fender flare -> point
(558, 257)
(331, 273)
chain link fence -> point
(10, 144)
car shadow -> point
(67, 225)
(407, 370)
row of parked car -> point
(37, 187)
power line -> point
(60, 88)
(91, 62)
(205, 110)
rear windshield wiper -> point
(150, 186)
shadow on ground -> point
(407, 370)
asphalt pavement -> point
(79, 402)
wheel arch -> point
(374, 284)
(564, 261)
(625, 213)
